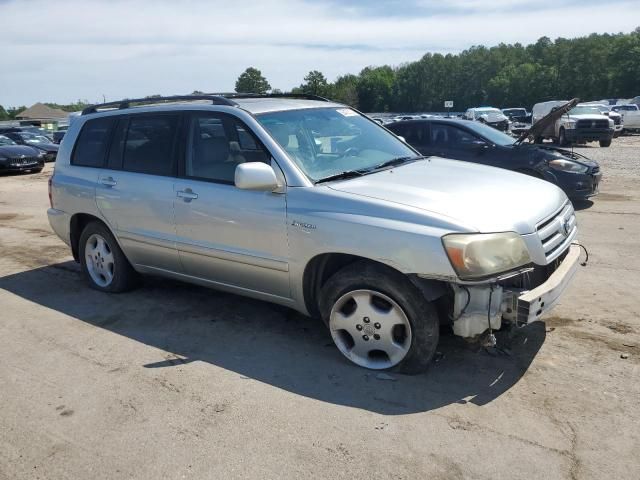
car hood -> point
(551, 152)
(586, 116)
(49, 148)
(476, 197)
(493, 116)
(549, 119)
(17, 151)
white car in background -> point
(578, 124)
(630, 115)
(490, 116)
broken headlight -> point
(478, 255)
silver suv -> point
(309, 204)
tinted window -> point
(415, 133)
(149, 144)
(217, 144)
(452, 137)
(91, 146)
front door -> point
(231, 237)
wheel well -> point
(78, 222)
(323, 266)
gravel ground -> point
(174, 381)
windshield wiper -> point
(364, 171)
(341, 176)
(393, 163)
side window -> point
(91, 147)
(415, 133)
(149, 144)
(217, 144)
(452, 137)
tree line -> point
(508, 75)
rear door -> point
(415, 134)
(234, 238)
(135, 192)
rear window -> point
(91, 146)
(149, 144)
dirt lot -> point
(174, 381)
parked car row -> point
(19, 158)
(41, 142)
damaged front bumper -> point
(529, 306)
(477, 308)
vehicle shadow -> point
(581, 204)
(274, 345)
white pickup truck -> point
(630, 116)
(580, 124)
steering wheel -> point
(351, 152)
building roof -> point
(40, 111)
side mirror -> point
(256, 176)
(479, 146)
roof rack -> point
(215, 98)
(304, 96)
(126, 103)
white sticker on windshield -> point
(347, 112)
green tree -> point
(252, 81)
(375, 88)
(345, 90)
(315, 84)
(4, 115)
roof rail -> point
(305, 96)
(126, 103)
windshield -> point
(487, 111)
(6, 141)
(585, 110)
(35, 139)
(491, 134)
(329, 141)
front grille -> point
(557, 232)
(592, 123)
(17, 162)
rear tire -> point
(605, 143)
(103, 263)
(378, 319)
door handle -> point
(108, 181)
(187, 194)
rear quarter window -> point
(92, 144)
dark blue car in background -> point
(474, 142)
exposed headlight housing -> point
(478, 255)
(41, 153)
(570, 124)
(566, 165)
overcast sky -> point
(62, 51)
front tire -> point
(104, 265)
(605, 143)
(378, 319)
